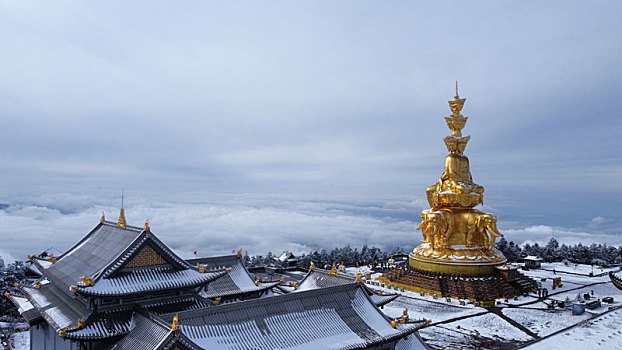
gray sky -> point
(316, 100)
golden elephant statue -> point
(487, 225)
(435, 228)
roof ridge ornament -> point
(175, 325)
(333, 271)
(122, 223)
(103, 218)
(147, 228)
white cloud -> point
(214, 223)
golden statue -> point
(457, 238)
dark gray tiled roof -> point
(216, 262)
(149, 279)
(322, 279)
(236, 282)
(381, 300)
(111, 326)
(341, 317)
(102, 254)
(25, 308)
(146, 334)
(59, 309)
(93, 253)
(412, 342)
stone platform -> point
(480, 288)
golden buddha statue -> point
(456, 237)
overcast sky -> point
(305, 102)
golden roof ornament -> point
(87, 281)
(147, 225)
(103, 218)
(175, 325)
(312, 266)
(333, 271)
(122, 223)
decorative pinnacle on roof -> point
(147, 225)
(103, 217)
(175, 325)
(312, 266)
(122, 223)
(333, 271)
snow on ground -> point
(600, 291)
(21, 341)
(363, 269)
(577, 268)
(429, 310)
(544, 322)
(566, 278)
(487, 331)
(603, 332)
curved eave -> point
(381, 300)
(99, 330)
(138, 287)
(259, 289)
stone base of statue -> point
(484, 283)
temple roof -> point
(25, 308)
(322, 279)
(340, 317)
(216, 262)
(237, 282)
(93, 253)
(147, 333)
(121, 261)
(318, 278)
(148, 280)
(58, 308)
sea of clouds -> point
(219, 223)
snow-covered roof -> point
(56, 307)
(533, 257)
(340, 317)
(149, 279)
(237, 282)
(286, 256)
(111, 326)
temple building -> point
(120, 287)
(457, 257)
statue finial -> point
(175, 325)
(103, 218)
(147, 225)
(122, 223)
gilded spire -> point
(147, 225)
(122, 223)
(175, 324)
(103, 218)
